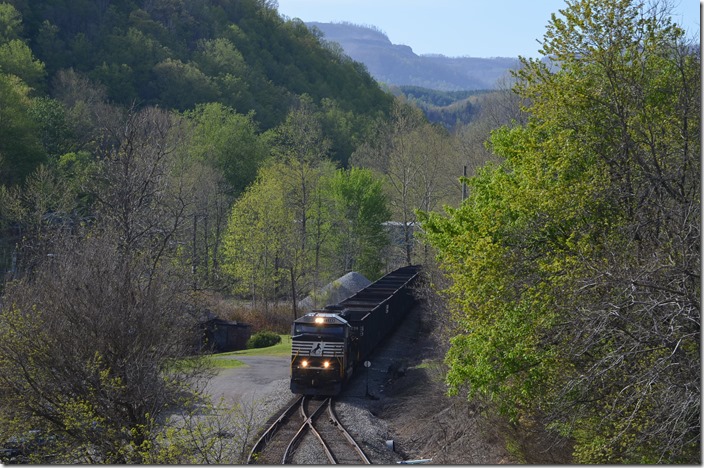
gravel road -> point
(259, 377)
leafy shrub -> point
(263, 339)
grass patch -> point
(279, 349)
(227, 360)
(428, 364)
(435, 368)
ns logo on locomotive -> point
(327, 344)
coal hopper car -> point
(328, 344)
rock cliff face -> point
(396, 64)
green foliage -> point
(228, 142)
(20, 73)
(500, 352)
(570, 253)
(181, 85)
(361, 204)
(16, 59)
(181, 54)
(263, 339)
(301, 223)
(10, 23)
(258, 227)
(54, 126)
(20, 148)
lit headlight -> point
(304, 364)
(326, 364)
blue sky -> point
(475, 28)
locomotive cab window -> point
(309, 329)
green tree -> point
(10, 23)
(181, 85)
(119, 79)
(571, 254)
(20, 148)
(361, 205)
(302, 223)
(263, 251)
(54, 125)
(220, 59)
(20, 72)
(16, 59)
(228, 142)
(259, 226)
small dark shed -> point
(223, 335)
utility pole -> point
(464, 185)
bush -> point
(263, 339)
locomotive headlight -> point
(319, 320)
(326, 364)
(304, 363)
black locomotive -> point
(329, 343)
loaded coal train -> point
(327, 344)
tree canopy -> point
(303, 222)
(575, 261)
(179, 54)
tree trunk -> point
(293, 293)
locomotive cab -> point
(319, 359)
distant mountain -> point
(396, 64)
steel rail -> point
(336, 422)
(269, 433)
(308, 426)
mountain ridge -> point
(397, 64)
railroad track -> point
(305, 416)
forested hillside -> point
(177, 54)
(452, 109)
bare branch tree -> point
(95, 336)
